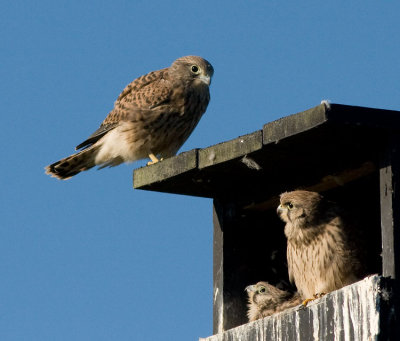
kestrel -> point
(323, 250)
(152, 117)
(265, 300)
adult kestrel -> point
(266, 299)
(152, 117)
(323, 249)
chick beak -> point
(250, 288)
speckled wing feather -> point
(97, 135)
(143, 94)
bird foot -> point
(153, 159)
(315, 297)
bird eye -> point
(261, 290)
(195, 69)
(289, 205)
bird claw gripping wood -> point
(315, 297)
(153, 159)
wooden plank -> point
(168, 168)
(237, 148)
(228, 308)
(218, 268)
(294, 124)
(364, 117)
(390, 206)
(334, 137)
(351, 313)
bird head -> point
(194, 69)
(298, 208)
(264, 294)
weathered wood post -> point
(350, 154)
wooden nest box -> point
(349, 154)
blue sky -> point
(91, 258)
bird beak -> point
(205, 79)
(279, 210)
(250, 288)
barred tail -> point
(74, 164)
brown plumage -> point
(323, 249)
(265, 300)
(152, 117)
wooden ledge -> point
(361, 311)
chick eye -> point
(261, 290)
(289, 205)
(195, 69)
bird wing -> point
(143, 94)
(98, 134)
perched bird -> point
(265, 300)
(323, 249)
(152, 117)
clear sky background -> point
(92, 259)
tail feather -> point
(74, 164)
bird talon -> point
(319, 295)
(153, 159)
(305, 302)
(315, 297)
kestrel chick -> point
(265, 300)
(152, 117)
(323, 251)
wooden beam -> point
(147, 176)
(355, 312)
(287, 126)
(226, 151)
(229, 308)
(390, 205)
(218, 268)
